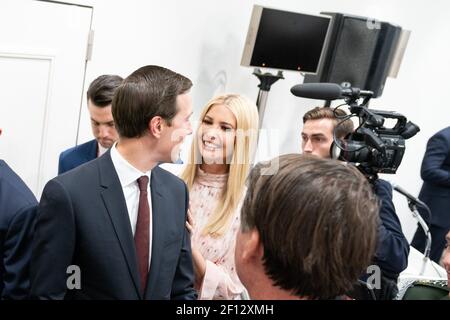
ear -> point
(155, 126)
(252, 248)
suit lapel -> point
(114, 201)
(93, 150)
(160, 221)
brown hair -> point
(148, 92)
(101, 90)
(317, 219)
(318, 113)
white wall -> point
(203, 39)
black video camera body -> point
(373, 147)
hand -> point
(199, 267)
(197, 258)
(190, 222)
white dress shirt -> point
(128, 176)
(101, 150)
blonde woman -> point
(219, 163)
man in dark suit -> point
(393, 248)
(104, 232)
(435, 192)
(17, 213)
(99, 97)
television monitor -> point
(372, 48)
(285, 40)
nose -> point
(307, 146)
(211, 135)
(446, 259)
(103, 131)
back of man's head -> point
(101, 90)
(317, 221)
(148, 92)
(336, 115)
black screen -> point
(290, 41)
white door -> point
(43, 49)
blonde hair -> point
(246, 114)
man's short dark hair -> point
(336, 115)
(148, 92)
(317, 220)
(101, 90)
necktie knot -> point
(143, 183)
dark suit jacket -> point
(83, 220)
(435, 174)
(17, 213)
(393, 248)
(73, 157)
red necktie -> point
(142, 234)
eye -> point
(206, 121)
(317, 139)
(227, 129)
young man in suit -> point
(17, 213)
(435, 193)
(393, 247)
(125, 236)
(99, 97)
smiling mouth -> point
(210, 146)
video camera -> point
(372, 147)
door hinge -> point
(90, 45)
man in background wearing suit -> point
(17, 213)
(435, 192)
(393, 248)
(126, 236)
(99, 98)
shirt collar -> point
(101, 150)
(126, 172)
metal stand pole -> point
(412, 206)
(266, 81)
